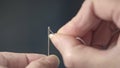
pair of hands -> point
(97, 23)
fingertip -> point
(32, 57)
(53, 59)
(51, 36)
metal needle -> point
(49, 32)
(48, 41)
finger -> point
(117, 48)
(111, 10)
(73, 51)
(17, 60)
(64, 43)
(84, 21)
(102, 36)
(91, 14)
(45, 62)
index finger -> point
(91, 14)
(84, 21)
(17, 60)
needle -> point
(48, 41)
(49, 32)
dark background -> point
(23, 23)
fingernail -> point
(51, 35)
(53, 59)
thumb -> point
(64, 43)
(73, 52)
(45, 62)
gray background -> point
(23, 23)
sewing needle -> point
(49, 32)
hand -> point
(23, 60)
(97, 23)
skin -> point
(97, 23)
(24, 60)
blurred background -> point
(23, 23)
